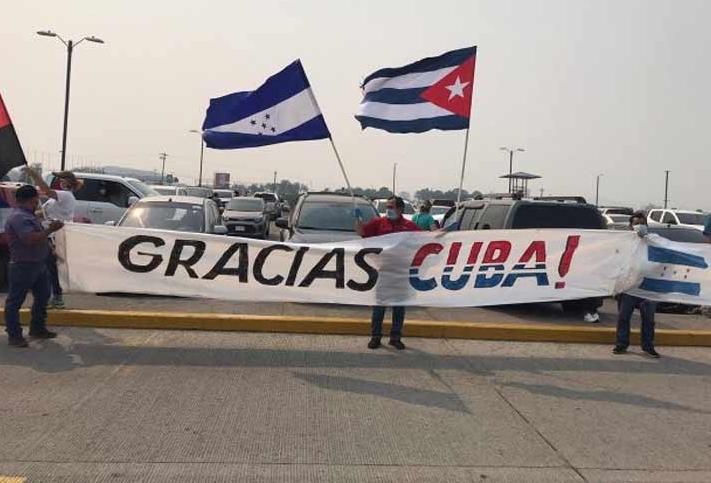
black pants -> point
(376, 326)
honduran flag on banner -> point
(280, 110)
(432, 93)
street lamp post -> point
(511, 152)
(70, 45)
(597, 190)
(202, 148)
(666, 188)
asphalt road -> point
(167, 406)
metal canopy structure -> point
(519, 181)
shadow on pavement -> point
(603, 395)
(410, 395)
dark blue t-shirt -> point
(19, 224)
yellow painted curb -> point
(354, 326)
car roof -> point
(691, 212)
(480, 203)
(248, 198)
(337, 197)
(193, 200)
(106, 177)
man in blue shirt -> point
(27, 271)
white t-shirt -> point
(62, 208)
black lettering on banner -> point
(124, 253)
(295, 265)
(175, 261)
(371, 271)
(240, 271)
(319, 272)
(259, 265)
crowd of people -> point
(33, 263)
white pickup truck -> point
(104, 197)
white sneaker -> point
(592, 318)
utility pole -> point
(511, 152)
(394, 174)
(597, 190)
(542, 191)
(162, 157)
(275, 185)
(666, 188)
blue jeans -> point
(626, 306)
(376, 324)
(23, 278)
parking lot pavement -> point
(166, 406)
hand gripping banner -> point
(454, 269)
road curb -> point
(355, 326)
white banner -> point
(465, 269)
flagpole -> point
(343, 169)
(464, 165)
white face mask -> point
(641, 230)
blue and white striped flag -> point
(280, 110)
(432, 93)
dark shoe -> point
(374, 343)
(397, 344)
(44, 334)
(619, 350)
(651, 353)
(17, 342)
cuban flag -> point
(282, 109)
(432, 93)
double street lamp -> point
(70, 45)
(202, 148)
(511, 152)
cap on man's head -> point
(25, 193)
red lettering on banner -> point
(474, 253)
(537, 249)
(497, 252)
(424, 252)
(453, 253)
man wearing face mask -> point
(27, 271)
(627, 303)
(392, 222)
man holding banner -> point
(393, 222)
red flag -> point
(11, 154)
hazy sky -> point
(586, 87)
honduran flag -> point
(432, 93)
(282, 109)
(11, 154)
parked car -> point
(104, 197)
(273, 203)
(177, 213)
(224, 196)
(325, 217)
(521, 214)
(617, 221)
(407, 213)
(164, 189)
(616, 210)
(689, 219)
(246, 216)
(199, 191)
(438, 212)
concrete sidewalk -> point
(99, 405)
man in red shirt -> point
(392, 222)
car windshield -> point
(245, 204)
(685, 235)
(267, 197)
(380, 206)
(619, 211)
(165, 216)
(224, 193)
(691, 218)
(142, 187)
(332, 215)
(439, 210)
(165, 190)
(557, 216)
(198, 191)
